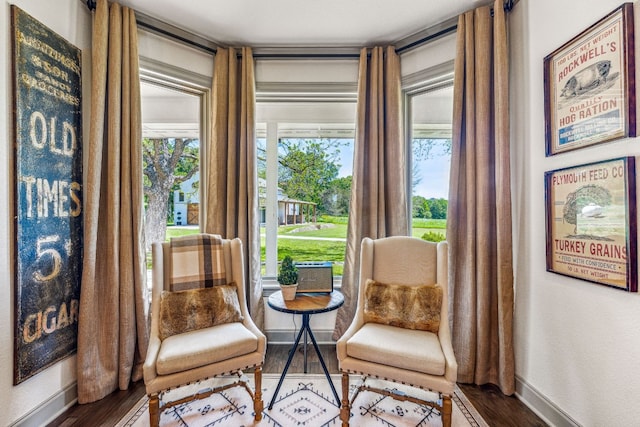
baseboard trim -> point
(542, 406)
(289, 336)
(50, 409)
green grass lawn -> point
(333, 230)
(312, 250)
(180, 231)
(302, 250)
(429, 223)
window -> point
(304, 172)
(171, 131)
(430, 150)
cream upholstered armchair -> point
(200, 325)
(400, 331)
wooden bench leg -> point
(258, 405)
(154, 410)
(345, 408)
(446, 411)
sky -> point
(435, 178)
(434, 173)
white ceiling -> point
(283, 23)
(287, 23)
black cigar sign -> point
(48, 226)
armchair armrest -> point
(149, 368)
(262, 339)
(341, 345)
(451, 365)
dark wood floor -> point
(498, 410)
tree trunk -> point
(162, 159)
(156, 216)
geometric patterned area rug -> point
(303, 401)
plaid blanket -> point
(197, 261)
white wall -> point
(174, 54)
(429, 55)
(306, 71)
(577, 343)
(71, 20)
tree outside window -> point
(167, 163)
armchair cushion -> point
(199, 348)
(193, 309)
(197, 261)
(410, 307)
(414, 350)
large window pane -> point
(304, 172)
(171, 162)
(314, 186)
(431, 158)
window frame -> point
(186, 81)
(419, 83)
(273, 129)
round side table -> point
(306, 305)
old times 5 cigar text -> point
(48, 195)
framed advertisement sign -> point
(48, 229)
(591, 222)
(589, 85)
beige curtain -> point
(479, 215)
(231, 180)
(378, 206)
(112, 326)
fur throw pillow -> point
(411, 307)
(192, 309)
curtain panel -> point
(378, 206)
(112, 326)
(231, 166)
(479, 213)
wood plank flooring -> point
(498, 410)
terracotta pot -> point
(289, 291)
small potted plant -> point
(288, 278)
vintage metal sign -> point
(590, 85)
(48, 195)
(591, 222)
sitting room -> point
(299, 213)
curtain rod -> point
(507, 6)
(439, 30)
(408, 43)
(157, 26)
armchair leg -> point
(446, 411)
(258, 405)
(154, 410)
(345, 409)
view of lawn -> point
(292, 242)
(178, 231)
(309, 172)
